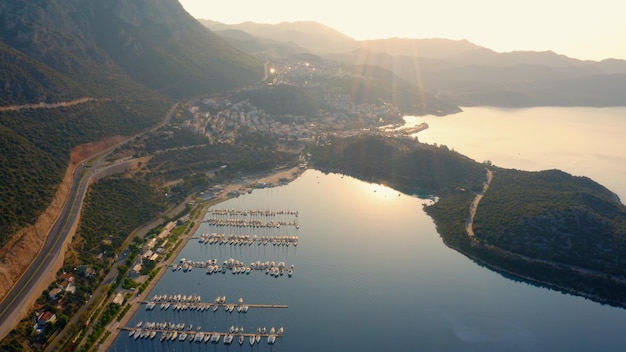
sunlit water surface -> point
(372, 274)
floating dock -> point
(207, 306)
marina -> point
(173, 308)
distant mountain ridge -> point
(461, 71)
(311, 36)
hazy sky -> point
(582, 29)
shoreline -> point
(274, 177)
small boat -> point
(252, 340)
(272, 330)
(281, 330)
(228, 339)
(271, 339)
(131, 333)
(257, 338)
(242, 339)
(199, 337)
(215, 338)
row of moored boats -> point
(235, 267)
(253, 212)
(177, 332)
(240, 240)
(250, 223)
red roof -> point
(67, 277)
(46, 316)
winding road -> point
(49, 105)
(16, 302)
(469, 224)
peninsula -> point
(548, 228)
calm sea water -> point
(582, 141)
(372, 274)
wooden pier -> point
(221, 333)
(207, 306)
(198, 336)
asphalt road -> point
(16, 300)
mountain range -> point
(458, 70)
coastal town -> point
(221, 118)
(230, 119)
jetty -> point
(194, 302)
(237, 222)
(235, 266)
(202, 306)
(253, 212)
(240, 240)
(180, 332)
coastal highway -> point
(16, 302)
(35, 276)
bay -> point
(372, 274)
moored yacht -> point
(228, 339)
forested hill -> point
(155, 42)
(547, 227)
(128, 58)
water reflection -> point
(372, 274)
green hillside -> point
(370, 84)
(553, 216)
(24, 81)
(284, 99)
(130, 59)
